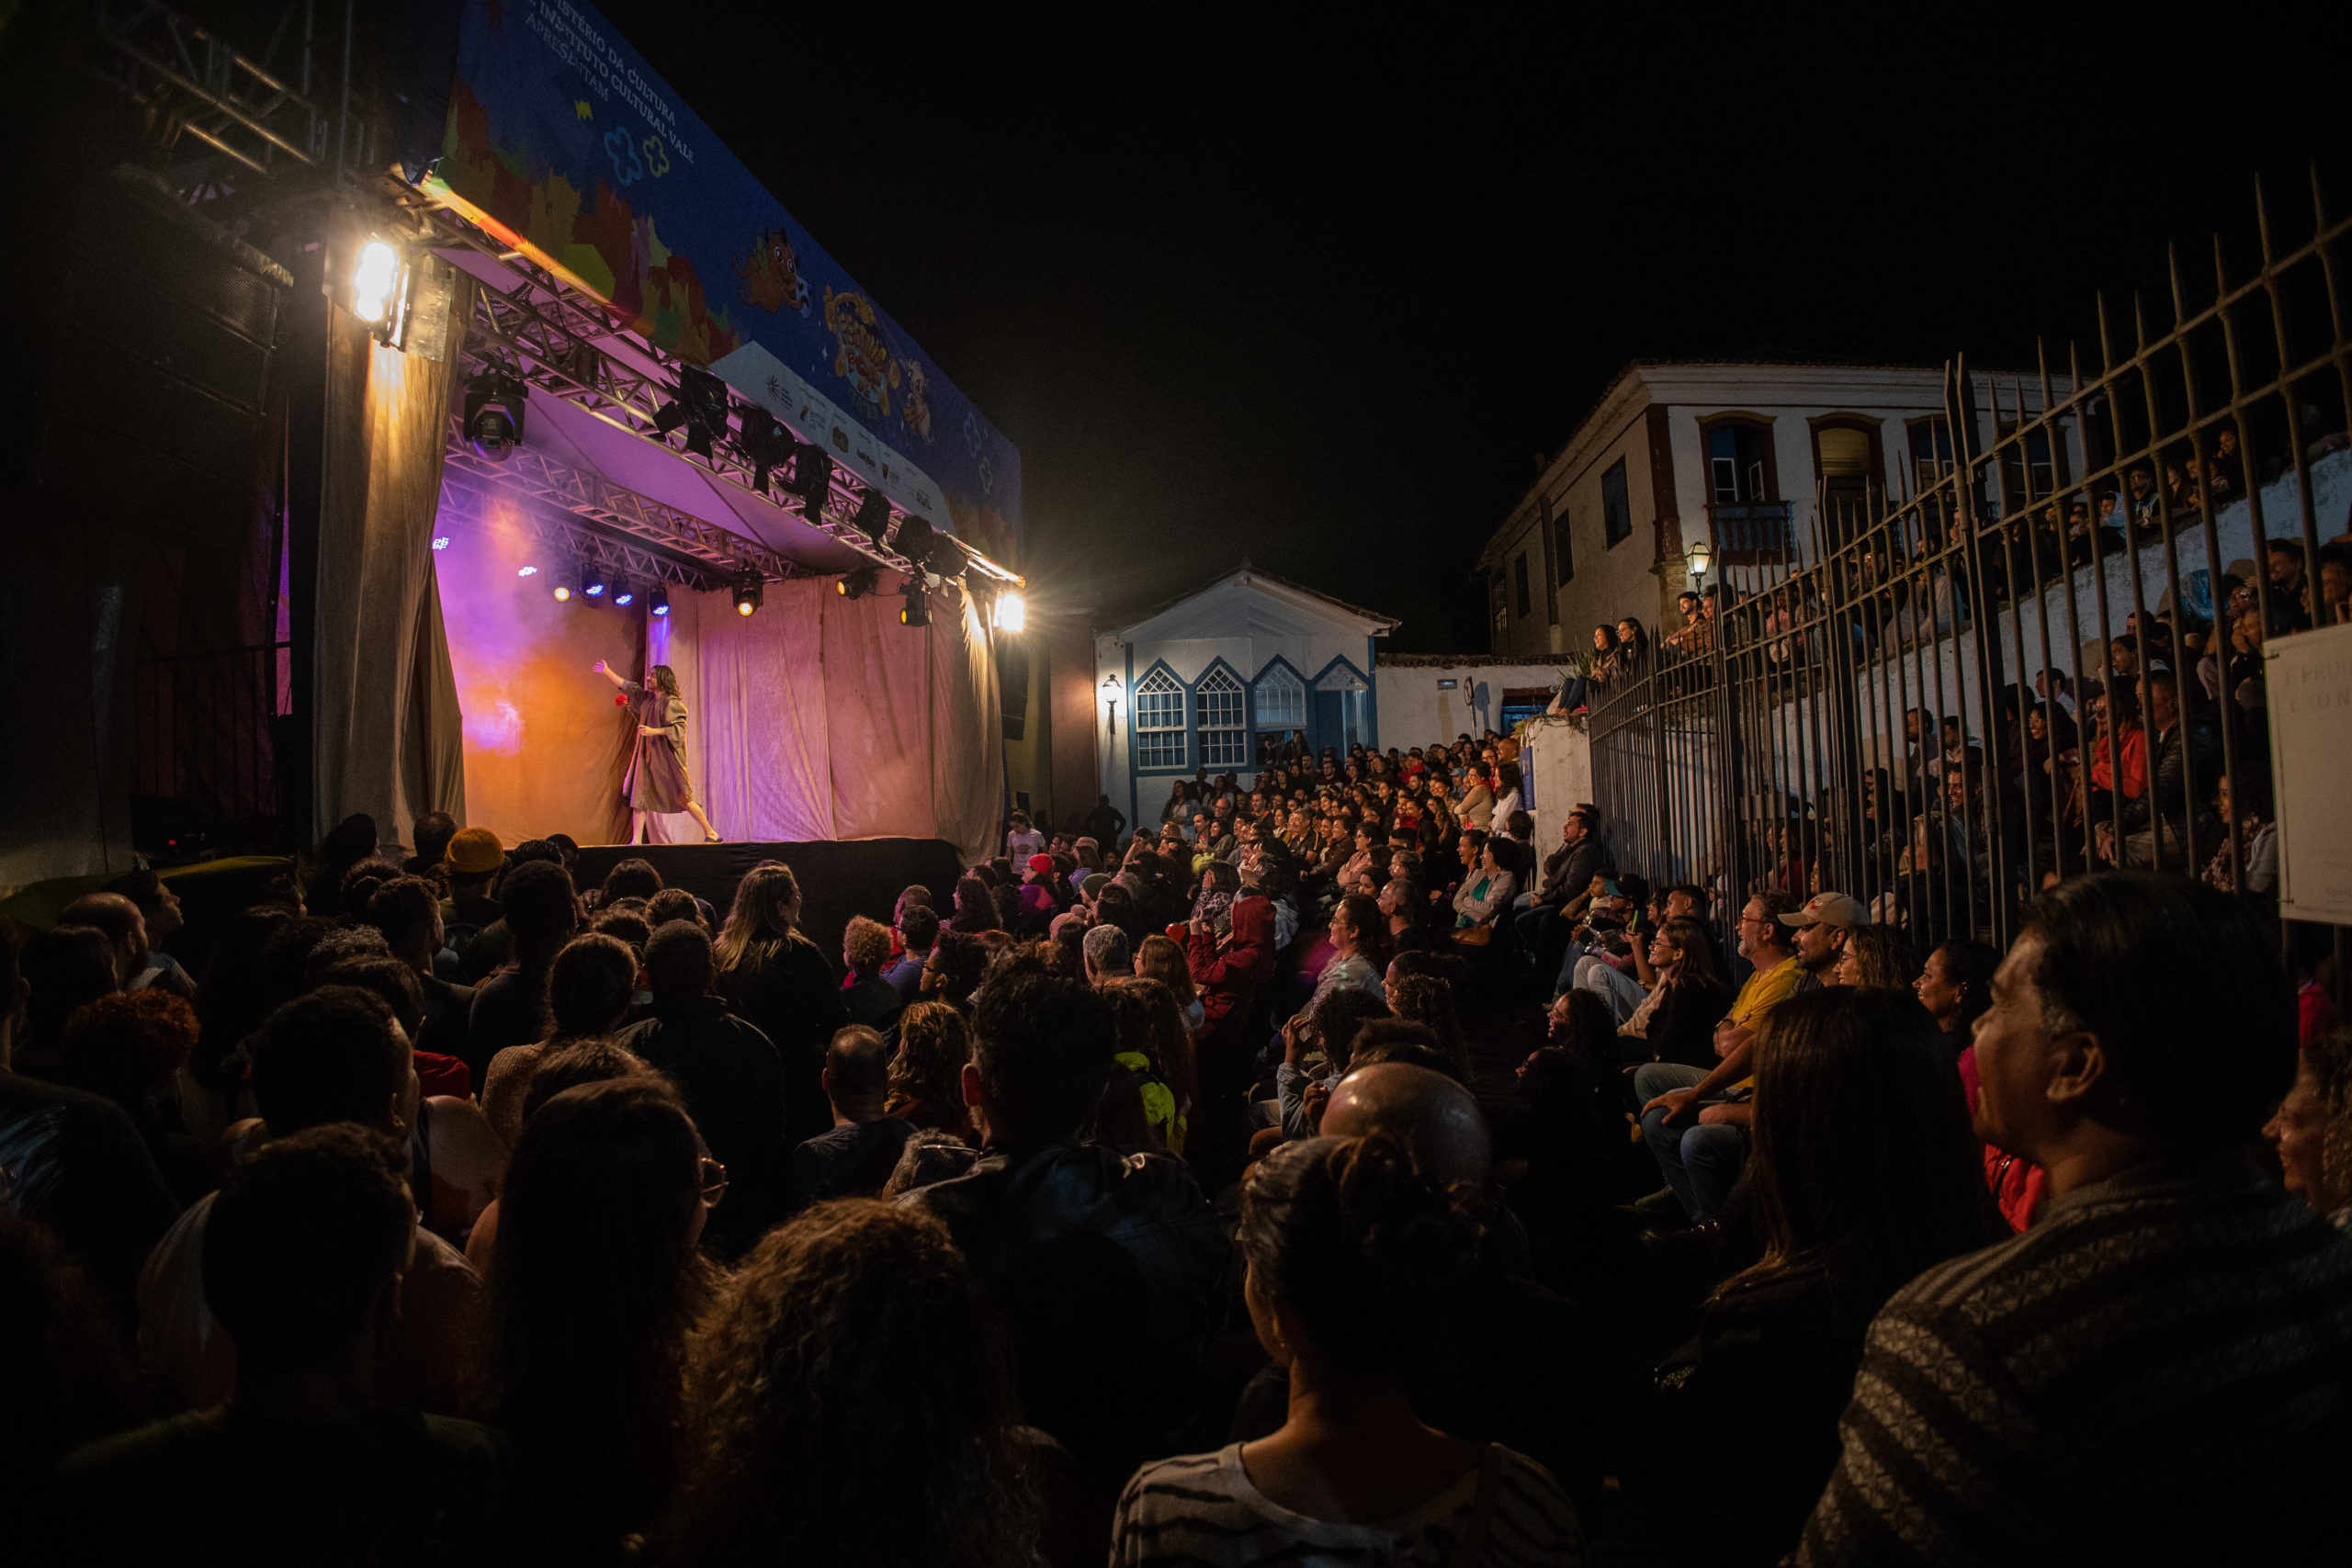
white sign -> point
(2309, 681)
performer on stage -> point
(657, 778)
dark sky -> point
(1258, 281)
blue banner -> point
(563, 141)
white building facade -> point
(1742, 456)
(1201, 683)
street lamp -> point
(1112, 691)
(1702, 557)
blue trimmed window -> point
(1225, 730)
(1160, 741)
(1281, 699)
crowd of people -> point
(1325, 1172)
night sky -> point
(1243, 281)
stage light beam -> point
(374, 281)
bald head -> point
(1436, 1118)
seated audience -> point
(1111, 1270)
(729, 1074)
(926, 1082)
(774, 977)
(1348, 1247)
(336, 1055)
(855, 1157)
(2032, 1403)
(590, 988)
(918, 928)
(593, 1285)
(160, 914)
(871, 1000)
(2312, 1129)
(305, 1263)
(1864, 1173)
(847, 1400)
(511, 1007)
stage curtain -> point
(387, 712)
(823, 717)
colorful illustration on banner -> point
(916, 410)
(772, 276)
(861, 358)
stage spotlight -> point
(594, 583)
(494, 404)
(748, 590)
(918, 607)
(377, 290)
(766, 443)
(701, 408)
(873, 518)
(812, 480)
(442, 542)
(1011, 611)
(859, 583)
(562, 591)
(657, 600)
(526, 572)
(623, 593)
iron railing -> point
(2049, 660)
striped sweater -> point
(2159, 1372)
(1203, 1511)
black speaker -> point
(156, 400)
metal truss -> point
(530, 475)
(198, 85)
(553, 337)
(580, 540)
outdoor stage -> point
(836, 880)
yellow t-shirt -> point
(1765, 989)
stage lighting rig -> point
(562, 591)
(657, 600)
(812, 480)
(593, 583)
(859, 583)
(379, 278)
(624, 592)
(766, 443)
(701, 408)
(495, 399)
(873, 518)
(748, 592)
(917, 612)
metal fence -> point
(2044, 656)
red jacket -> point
(1228, 979)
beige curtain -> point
(388, 730)
(820, 718)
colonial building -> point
(1762, 462)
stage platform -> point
(836, 880)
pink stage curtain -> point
(388, 721)
(820, 718)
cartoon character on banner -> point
(861, 359)
(772, 276)
(916, 410)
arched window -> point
(1224, 737)
(1159, 721)
(1281, 699)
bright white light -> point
(527, 571)
(562, 592)
(373, 280)
(1011, 611)
(442, 543)
(742, 606)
